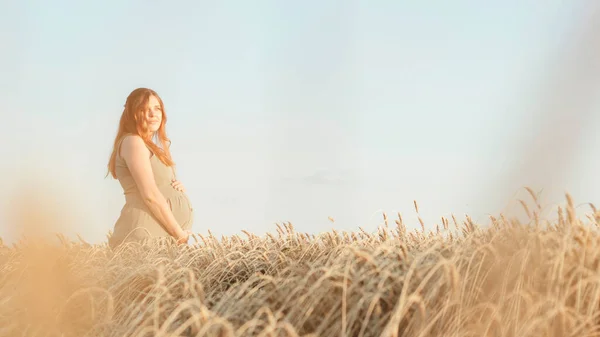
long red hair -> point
(132, 120)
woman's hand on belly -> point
(176, 184)
(185, 237)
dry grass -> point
(508, 279)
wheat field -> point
(505, 278)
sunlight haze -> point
(284, 111)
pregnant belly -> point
(181, 207)
(177, 201)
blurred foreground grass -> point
(507, 278)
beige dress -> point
(136, 222)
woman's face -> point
(153, 115)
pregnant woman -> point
(156, 205)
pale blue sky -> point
(285, 111)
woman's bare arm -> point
(137, 157)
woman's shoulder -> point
(133, 143)
(130, 139)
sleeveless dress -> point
(136, 222)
